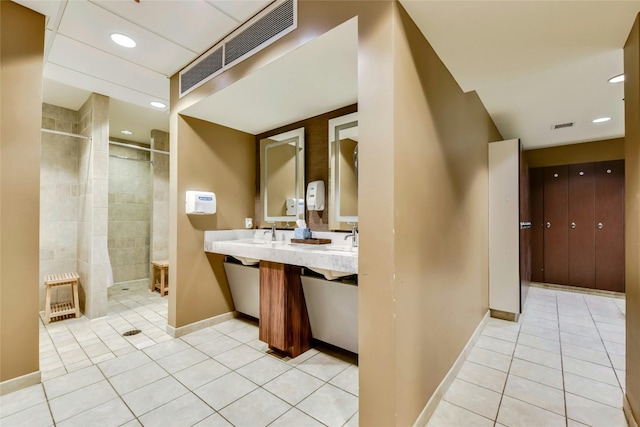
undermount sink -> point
(345, 249)
(329, 274)
(246, 261)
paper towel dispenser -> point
(201, 203)
(315, 196)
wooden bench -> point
(160, 277)
(65, 308)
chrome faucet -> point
(354, 234)
(272, 231)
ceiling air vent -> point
(562, 126)
(201, 71)
(261, 31)
(274, 22)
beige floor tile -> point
(257, 409)
(589, 370)
(483, 376)
(38, 415)
(594, 356)
(186, 410)
(347, 380)
(124, 363)
(594, 390)
(153, 395)
(263, 370)
(474, 398)
(353, 421)
(295, 417)
(583, 331)
(293, 386)
(538, 373)
(500, 333)
(73, 381)
(622, 377)
(111, 413)
(547, 308)
(218, 345)
(132, 380)
(615, 348)
(22, 399)
(541, 357)
(323, 366)
(70, 404)
(495, 344)
(449, 415)
(225, 390)
(490, 359)
(541, 314)
(538, 342)
(330, 405)
(167, 348)
(201, 336)
(593, 413)
(201, 373)
(214, 420)
(537, 331)
(515, 413)
(572, 423)
(239, 356)
(232, 325)
(244, 335)
(542, 323)
(617, 337)
(182, 360)
(537, 394)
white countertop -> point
(333, 260)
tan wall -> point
(441, 217)
(597, 151)
(209, 157)
(439, 257)
(21, 60)
(632, 213)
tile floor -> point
(562, 364)
(218, 376)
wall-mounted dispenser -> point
(201, 203)
(315, 196)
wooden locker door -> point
(556, 227)
(536, 197)
(582, 255)
(609, 225)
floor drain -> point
(125, 289)
(132, 332)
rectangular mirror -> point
(343, 171)
(282, 178)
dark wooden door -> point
(582, 244)
(536, 197)
(609, 225)
(556, 231)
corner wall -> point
(21, 64)
(632, 217)
(160, 194)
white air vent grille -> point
(201, 70)
(562, 126)
(271, 24)
(262, 30)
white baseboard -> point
(18, 383)
(196, 326)
(631, 419)
(440, 391)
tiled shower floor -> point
(218, 376)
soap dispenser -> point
(315, 196)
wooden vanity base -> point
(284, 322)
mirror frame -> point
(335, 126)
(272, 141)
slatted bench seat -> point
(160, 277)
(65, 308)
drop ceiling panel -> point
(87, 60)
(92, 25)
(195, 24)
(62, 95)
(240, 10)
(97, 85)
(315, 78)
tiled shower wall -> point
(58, 197)
(160, 222)
(130, 206)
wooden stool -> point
(62, 309)
(160, 277)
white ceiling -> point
(533, 63)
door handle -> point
(600, 226)
(573, 225)
(548, 225)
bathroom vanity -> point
(293, 306)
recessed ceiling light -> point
(123, 40)
(617, 79)
(601, 119)
(157, 104)
(126, 132)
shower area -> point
(104, 204)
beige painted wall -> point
(632, 213)
(423, 258)
(596, 151)
(21, 62)
(214, 158)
